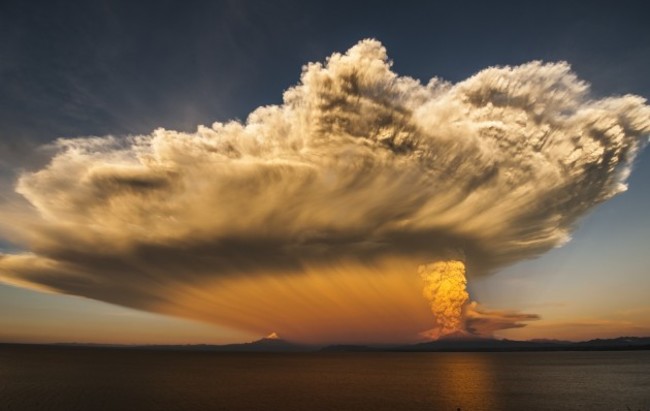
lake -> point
(60, 378)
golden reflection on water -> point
(467, 383)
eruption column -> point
(445, 289)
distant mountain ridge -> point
(450, 343)
(460, 343)
(261, 345)
(487, 344)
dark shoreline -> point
(451, 345)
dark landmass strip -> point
(441, 345)
(483, 344)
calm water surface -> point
(33, 378)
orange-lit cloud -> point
(345, 301)
(311, 218)
(484, 322)
(445, 287)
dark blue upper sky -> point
(119, 67)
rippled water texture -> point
(36, 378)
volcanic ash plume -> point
(444, 288)
(300, 218)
